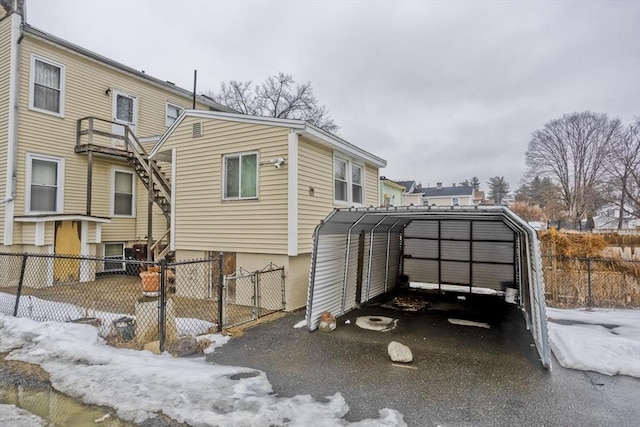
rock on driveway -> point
(399, 352)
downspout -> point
(12, 133)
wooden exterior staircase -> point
(89, 130)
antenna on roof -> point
(195, 81)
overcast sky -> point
(442, 90)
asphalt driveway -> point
(461, 375)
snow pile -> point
(63, 312)
(138, 384)
(605, 341)
(13, 416)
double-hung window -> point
(47, 86)
(173, 111)
(44, 186)
(356, 184)
(348, 180)
(123, 194)
(240, 176)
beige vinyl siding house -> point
(56, 84)
(460, 195)
(294, 177)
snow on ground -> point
(43, 310)
(13, 416)
(139, 384)
(605, 341)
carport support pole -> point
(220, 291)
(22, 269)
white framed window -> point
(45, 184)
(114, 257)
(454, 201)
(122, 192)
(356, 184)
(341, 193)
(173, 111)
(240, 173)
(348, 182)
(46, 83)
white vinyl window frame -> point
(240, 156)
(32, 83)
(455, 201)
(348, 181)
(172, 111)
(111, 261)
(59, 161)
(112, 206)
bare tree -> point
(278, 96)
(623, 166)
(498, 188)
(572, 151)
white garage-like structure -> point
(361, 253)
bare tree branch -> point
(572, 151)
(278, 96)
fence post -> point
(162, 305)
(220, 291)
(22, 269)
(257, 293)
(282, 288)
(589, 302)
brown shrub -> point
(583, 245)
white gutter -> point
(317, 134)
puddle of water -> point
(57, 408)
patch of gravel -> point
(13, 372)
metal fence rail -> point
(591, 282)
(133, 302)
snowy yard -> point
(138, 384)
(601, 340)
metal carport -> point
(360, 253)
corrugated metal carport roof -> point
(332, 277)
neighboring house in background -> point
(478, 198)
(608, 218)
(412, 193)
(256, 188)
(391, 192)
(456, 195)
(62, 192)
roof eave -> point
(110, 62)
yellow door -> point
(67, 242)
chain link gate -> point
(249, 295)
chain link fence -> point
(134, 302)
(250, 295)
(591, 282)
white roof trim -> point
(303, 128)
(58, 217)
